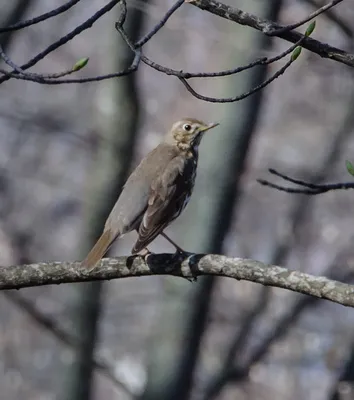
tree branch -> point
(191, 266)
(53, 13)
(310, 188)
(271, 28)
(308, 18)
(65, 39)
(331, 16)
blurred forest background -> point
(65, 152)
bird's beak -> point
(210, 126)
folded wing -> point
(167, 198)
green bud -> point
(295, 54)
(297, 51)
(310, 28)
(350, 167)
(80, 64)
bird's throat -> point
(190, 150)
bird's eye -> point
(187, 127)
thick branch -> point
(269, 27)
(17, 277)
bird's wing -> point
(132, 203)
(165, 201)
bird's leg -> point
(179, 253)
(179, 249)
(144, 253)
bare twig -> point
(86, 25)
(18, 9)
(241, 17)
(160, 24)
(287, 28)
(31, 75)
(51, 79)
(331, 15)
(236, 15)
(266, 26)
(188, 75)
(312, 189)
(40, 18)
(241, 96)
(184, 76)
(48, 79)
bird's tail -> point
(99, 249)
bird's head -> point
(188, 132)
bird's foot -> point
(145, 253)
(179, 256)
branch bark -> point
(269, 27)
(193, 265)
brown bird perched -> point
(156, 192)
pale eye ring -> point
(187, 127)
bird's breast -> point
(186, 185)
(190, 171)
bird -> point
(156, 192)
